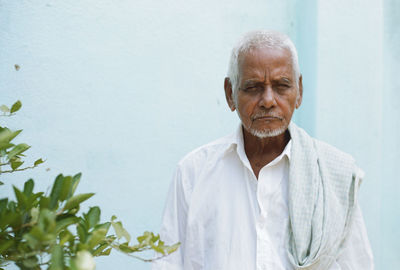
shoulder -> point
(330, 159)
(200, 161)
(323, 149)
(209, 152)
(331, 152)
(338, 164)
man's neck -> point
(261, 151)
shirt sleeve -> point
(357, 253)
(173, 228)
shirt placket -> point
(263, 244)
(267, 187)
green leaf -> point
(105, 225)
(145, 238)
(130, 249)
(3, 204)
(93, 216)
(74, 210)
(17, 150)
(11, 219)
(64, 223)
(7, 135)
(66, 188)
(37, 162)
(16, 164)
(76, 200)
(100, 249)
(173, 248)
(80, 229)
(96, 238)
(159, 249)
(30, 263)
(28, 187)
(34, 199)
(1, 183)
(16, 106)
(106, 252)
(65, 236)
(120, 231)
(4, 109)
(12, 206)
(57, 258)
(75, 181)
(127, 249)
(155, 238)
(44, 202)
(72, 265)
(21, 197)
(36, 233)
(55, 191)
(5, 245)
(5, 146)
(47, 221)
(33, 242)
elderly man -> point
(268, 196)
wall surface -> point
(121, 90)
(357, 107)
(349, 99)
(388, 253)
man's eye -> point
(252, 89)
(282, 87)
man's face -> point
(268, 93)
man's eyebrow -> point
(284, 79)
(251, 81)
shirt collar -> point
(236, 142)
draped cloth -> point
(323, 184)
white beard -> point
(262, 134)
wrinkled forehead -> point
(272, 60)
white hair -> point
(258, 40)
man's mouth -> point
(267, 118)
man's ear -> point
(300, 94)
(229, 94)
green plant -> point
(11, 154)
(47, 230)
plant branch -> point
(18, 170)
(4, 164)
(7, 115)
(137, 257)
(23, 255)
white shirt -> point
(227, 219)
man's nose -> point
(267, 98)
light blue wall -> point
(349, 97)
(305, 39)
(121, 90)
(357, 106)
(389, 217)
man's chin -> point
(268, 133)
